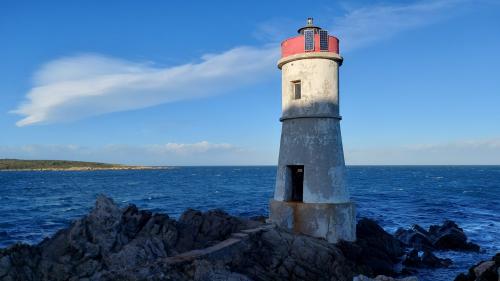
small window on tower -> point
(297, 90)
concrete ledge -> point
(311, 55)
(310, 116)
(332, 221)
(221, 250)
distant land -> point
(62, 165)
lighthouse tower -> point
(311, 196)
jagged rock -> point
(415, 237)
(483, 271)
(280, 255)
(448, 236)
(111, 243)
(5, 265)
(417, 259)
(430, 260)
(198, 229)
(383, 278)
(375, 252)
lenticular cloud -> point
(76, 87)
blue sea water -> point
(34, 205)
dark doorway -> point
(297, 173)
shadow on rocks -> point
(111, 240)
(112, 243)
(375, 252)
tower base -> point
(332, 221)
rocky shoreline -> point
(112, 243)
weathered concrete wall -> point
(330, 221)
(320, 88)
(310, 136)
(315, 143)
(310, 133)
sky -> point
(196, 82)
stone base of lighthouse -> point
(332, 221)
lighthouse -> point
(311, 196)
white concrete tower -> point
(311, 196)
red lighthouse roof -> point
(311, 38)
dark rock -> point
(415, 237)
(278, 254)
(408, 271)
(199, 230)
(383, 278)
(369, 232)
(430, 260)
(129, 244)
(462, 277)
(425, 259)
(112, 243)
(448, 236)
(375, 252)
(483, 271)
(412, 259)
(17, 262)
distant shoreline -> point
(14, 165)
(76, 169)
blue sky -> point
(196, 83)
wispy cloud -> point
(199, 147)
(361, 27)
(80, 86)
(459, 152)
(198, 153)
(86, 85)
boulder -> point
(415, 237)
(375, 251)
(430, 260)
(199, 230)
(277, 254)
(424, 259)
(448, 236)
(483, 271)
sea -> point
(35, 204)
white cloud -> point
(460, 152)
(200, 147)
(80, 86)
(86, 85)
(199, 153)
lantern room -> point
(311, 38)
